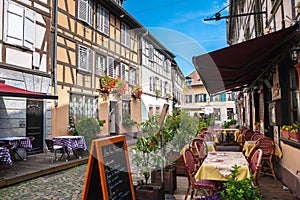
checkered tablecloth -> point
(18, 142)
(5, 156)
(70, 142)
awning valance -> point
(8, 90)
(237, 66)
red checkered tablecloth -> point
(70, 142)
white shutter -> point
(13, 24)
(110, 66)
(82, 58)
(99, 65)
(90, 60)
(29, 31)
(150, 52)
(99, 18)
(90, 12)
(105, 22)
(117, 70)
(83, 10)
(123, 72)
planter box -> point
(170, 183)
(294, 136)
(285, 134)
(150, 192)
(179, 163)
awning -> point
(7, 90)
(239, 65)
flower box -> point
(285, 134)
(294, 136)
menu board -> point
(108, 173)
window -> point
(126, 110)
(200, 98)
(188, 81)
(112, 68)
(100, 64)
(166, 88)
(85, 11)
(19, 25)
(150, 53)
(132, 76)
(223, 97)
(123, 72)
(217, 113)
(230, 113)
(188, 98)
(84, 58)
(102, 20)
(125, 35)
(81, 105)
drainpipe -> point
(54, 57)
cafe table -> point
(72, 143)
(248, 145)
(218, 166)
(18, 142)
(5, 157)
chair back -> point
(190, 165)
(50, 144)
(267, 146)
(202, 150)
(255, 164)
(257, 136)
(248, 134)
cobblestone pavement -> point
(65, 185)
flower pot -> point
(285, 134)
(170, 183)
(150, 192)
(294, 136)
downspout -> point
(54, 57)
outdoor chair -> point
(31, 139)
(251, 152)
(202, 151)
(267, 146)
(257, 136)
(255, 165)
(55, 149)
(193, 185)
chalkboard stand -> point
(108, 173)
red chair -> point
(257, 136)
(267, 146)
(255, 165)
(189, 162)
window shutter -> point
(90, 60)
(110, 66)
(83, 58)
(100, 64)
(105, 22)
(150, 84)
(29, 31)
(123, 71)
(83, 10)
(14, 24)
(90, 12)
(151, 52)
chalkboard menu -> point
(108, 173)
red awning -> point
(239, 65)
(7, 90)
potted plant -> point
(136, 92)
(119, 87)
(107, 84)
(145, 155)
(158, 93)
(294, 133)
(239, 189)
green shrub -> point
(89, 128)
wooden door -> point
(34, 124)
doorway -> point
(34, 124)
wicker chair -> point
(257, 136)
(255, 165)
(267, 146)
(202, 151)
(193, 185)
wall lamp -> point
(294, 53)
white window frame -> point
(85, 11)
(19, 25)
(102, 20)
(125, 35)
(84, 53)
(112, 68)
(150, 52)
(132, 76)
(100, 64)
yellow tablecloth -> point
(211, 146)
(248, 145)
(218, 165)
(225, 131)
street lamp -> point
(294, 53)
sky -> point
(179, 25)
